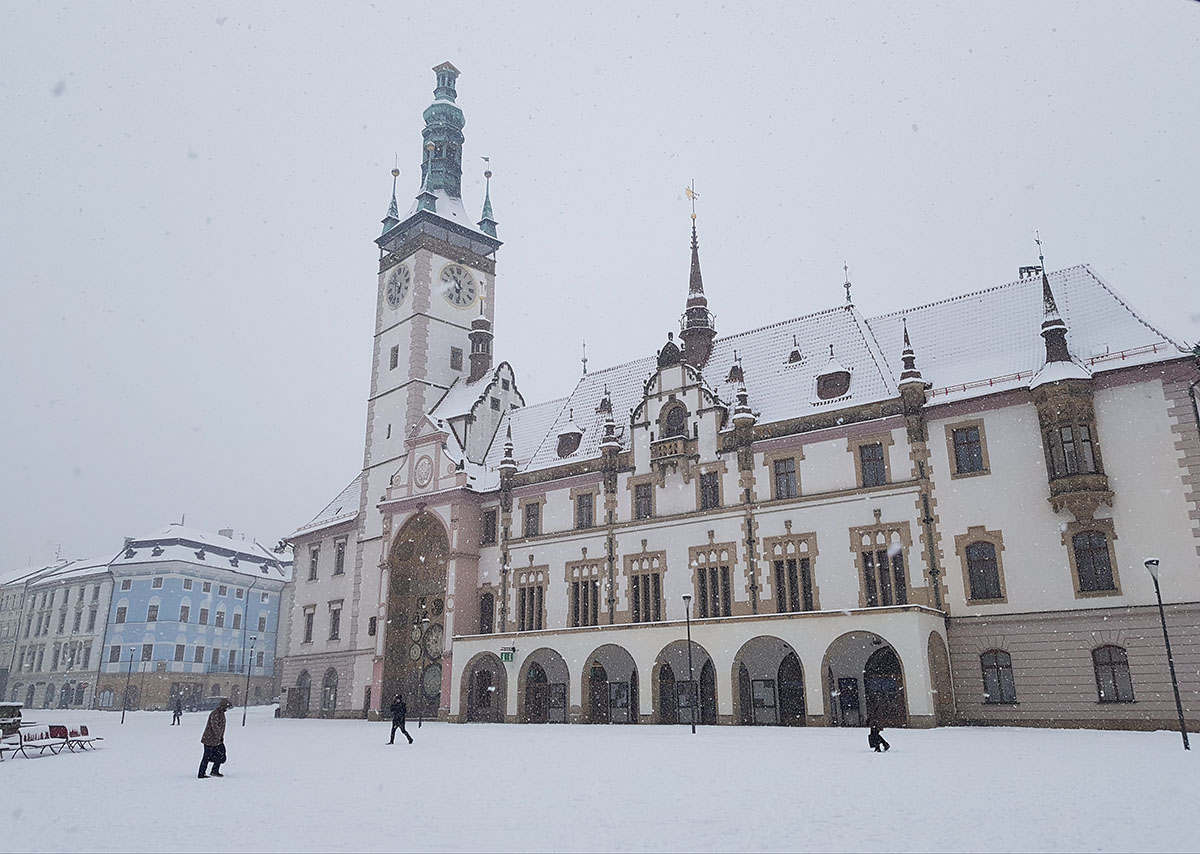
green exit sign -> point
(505, 655)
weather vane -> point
(691, 193)
(846, 268)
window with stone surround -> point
(583, 578)
(645, 574)
(487, 614)
(979, 553)
(785, 475)
(339, 556)
(531, 599)
(1113, 681)
(643, 497)
(1071, 449)
(871, 466)
(488, 536)
(710, 490)
(882, 572)
(998, 684)
(1089, 545)
(335, 620)
(790, 562)
(314, 556)
(310, 615)
(456, 359)
(532, 525)
(713, 566)
(966, 443)
(585, 510)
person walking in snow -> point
(214, 741)
(178, 717)
(399, 711)
(875, 740)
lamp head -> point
(687, 597)
(1152, 567)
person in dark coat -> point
(178, 718)
(214, 741)
(399, 710)
(875, 740)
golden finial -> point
(691, 193)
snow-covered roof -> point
(189, 545)
(341, 508)
(451, 208)
(987, 341)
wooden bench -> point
(54, 739)
(78, 737)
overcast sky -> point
(189, 195)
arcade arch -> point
(609, 687)
(543, 688)
(484, 690)
(676, 698)
(770, 683)
(863, 680)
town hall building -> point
(937, 515)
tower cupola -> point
(441, 157)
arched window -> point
(329, 686)
(998, 684)
(1092, 562)
(487, 609)
(983, 571)
(1113, 682)
(674, 422)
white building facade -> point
(937, 515)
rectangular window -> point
(710, 490)
(198, 658)
(180, 649)
(237, 620)
(96, 593)
(530, 600)
(262, 622)
(1092, 562)
(335, 622)
(187, 584)
(314, 554)
(121, 611)
(495, 404)
(715, 591)
(487, 615)
(77, 622)
(1087, 456)
(264, 597)
(204, 616)
(1070, 460)
(147, 651)
(215, 658)
(489, 528)
(883, 578)
(62, 620)
(874, 472)
(239, 593)
(646, 596)
(585, 602)
(785, 478)
(308, 626)
(584, 512)
(222, 590)
(456, 358)
(114, 654)
(643, 501)
(533, 519)
(126, 583)
(185, 612)
(394, 357)
(91, 620)
(206, 587)
(968, 450)
(219, 622)
(156, 583)
(339, 557)
(793, 585)
(231, 660)
(998, 684)
(262, 656)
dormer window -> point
(568, 443)
(833, 384)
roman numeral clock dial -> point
(397, 285)
(458, 286)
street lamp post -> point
(128, 676)
(1152, 568)
(687, 613)
(249, 664)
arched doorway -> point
(678, 699)
(329, 693)
(414, 641)
(770, 683)
(863, 681)
(485, 684)
(883, 684)
(610, 687)
(542, 688)
(298, 697)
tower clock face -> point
(397, 285)
(458, 286)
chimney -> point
(227, 533)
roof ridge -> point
(1129, 308)
(980, 292)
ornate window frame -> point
(592, 490)
(769, 460)
(977, 423)
(522, 504)
(585, 572)
(797, 546)
(980, 534)
(637, 566)
(719, 556)
(879, 536)
(1101, 526)
(720, 469)
(534, 579)
(632, 484)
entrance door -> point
(618, 702)
(668, 702)
(537, 695)
(557, 702)
(480, 700)
(598, 699)
(763, 692)
(884, 687)
(791, 691)
(848, 701)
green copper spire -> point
(441, 163)
(393, 215)
(488, 224)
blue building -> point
(192, 614)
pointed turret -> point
(697, 327)
(743, 415)
(481, 345)
(508, 464)
(910, 374)
(912, 391)
(1054, 329)
(393, 215)
(488, 223)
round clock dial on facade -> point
(458, 286)
(415, 634)
(433, 641)
(397, 285)
(414, 652)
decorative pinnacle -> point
(584, 359)
(846, 268)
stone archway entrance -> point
(770, 683)
(485, 686)
(414, 641)
(863, 680)
(676, 698)
(883, 684)
(610, 687)
(542, 688)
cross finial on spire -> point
(584, 359)
(846, 285)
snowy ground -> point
(336, 786)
